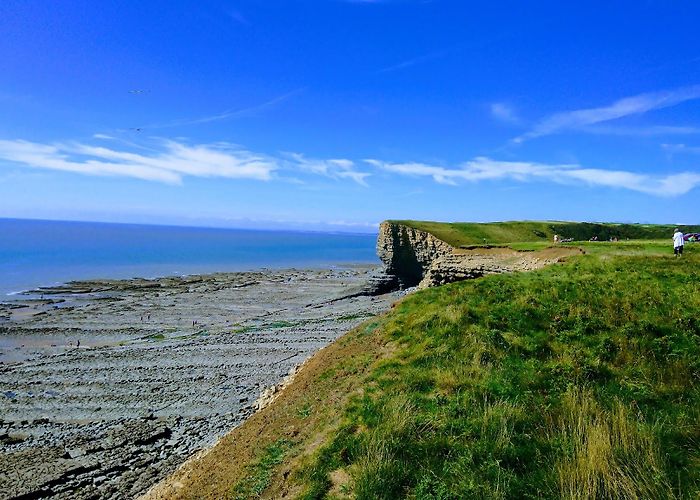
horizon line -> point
(190, 226)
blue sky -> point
(332, 114)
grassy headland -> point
(579, 380)
(502, 233)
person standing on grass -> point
(678, 242)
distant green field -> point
(499, 233)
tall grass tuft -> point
(379, 465)
(608, 453)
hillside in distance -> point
(460, 234)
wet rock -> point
(74, 453)
(14, 437)
(132, 409)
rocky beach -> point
(107, 386)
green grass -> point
(351, 317)
(281, 324)
(260, 472)
(574, 381)
(305, 411)
(244, 329)
(500, 233)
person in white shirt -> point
(678, 243)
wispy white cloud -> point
(169, 164)
(680, 148)
(482, 169)
(503, 112)
(170, 161)
(648, 131)
(414, 61)
(344, 223)
(237, 16)
(230, 113)
(635, 105)
(333, 168)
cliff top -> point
(460, 234)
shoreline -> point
(197, 351)
(34, 291)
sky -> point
(338, 114)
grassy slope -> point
(579, 380)
(575, 381)
(471, 233)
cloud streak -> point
(486, 169)
(503, 112)
(170, 161)
(628, 106)
(680, 148)
(333, 168)
(231, 113)
(169, 164)
(413, 62)
(647, 131)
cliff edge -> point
(418, 258)
(408, 253)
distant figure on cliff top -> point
(678, 242)
(556, 238)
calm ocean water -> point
(41, 253)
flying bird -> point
(138, 91)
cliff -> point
(408, 253)
(418, 258)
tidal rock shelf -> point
(164, 368)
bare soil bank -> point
(165, 367)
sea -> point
(36, 253)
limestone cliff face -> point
(417, 258)
(408, 253)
